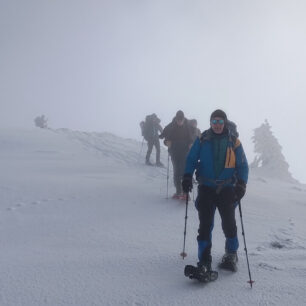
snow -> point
(84, 222)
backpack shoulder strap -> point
(205, 136)
(235, 142)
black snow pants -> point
(151, 143)
(178, 163)
(206, 203)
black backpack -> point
(144, 126)
(232, 127)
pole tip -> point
(251, 282)
(183, 255)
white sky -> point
(103, 65)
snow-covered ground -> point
(84, 222)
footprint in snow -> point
(278, 245)
(260, 248)
(11, 208)
(20, 204)
(268, 267)
(285, 243)
(17, 205)
(35, 202)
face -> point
(194, 124)
(180, 122)
(217, 125)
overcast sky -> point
(103, 65)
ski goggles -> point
(215, 121)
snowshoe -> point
(176, 196)
(183, 197)
(229, 262)
(201, 274)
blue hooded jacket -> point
(201, 158)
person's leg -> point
(176, 180)
(181, 170)
(206, 210)
(157, 147)
(226, 207)
(150, 148)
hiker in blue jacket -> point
(222, 174)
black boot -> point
(202, 272)
(229, 261)
(205, 264)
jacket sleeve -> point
(242, 167)
(193, 157)
(165, 133)
(160, 128)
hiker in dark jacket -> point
(178, 139)
(150, 129)
(222, 174)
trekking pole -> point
(184, 254)
(168, 177)
(139, 154)
(193, 195)
(245, 248)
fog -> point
(104, 65)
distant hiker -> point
(195, 131)
(222, 174)
(150, 128)
(178, 139)
(41, 122)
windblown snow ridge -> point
(106, 145)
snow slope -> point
(84, 222)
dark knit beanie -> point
(218, 113)
(179, 115)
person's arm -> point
(242, 167)
(193, 157)
(166, 135)
(160, 129)
(191, 164)
(242, 170)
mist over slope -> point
(85, 222)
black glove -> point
(187, 183)
(240, 189)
